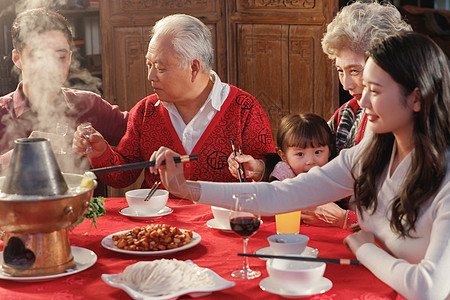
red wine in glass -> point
(245, 221)
(245, 226)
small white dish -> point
(84, 259)
(115, 280)
(213, 223)
(321, 287)
(108, 243)
(288, 243)
(131, 213)
(309, 251)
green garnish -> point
(96, 209)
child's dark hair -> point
(304, 131)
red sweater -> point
(241, 118)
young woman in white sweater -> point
(400, 175)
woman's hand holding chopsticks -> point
(172, 175)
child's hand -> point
(254, 168)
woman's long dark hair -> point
(413, 61)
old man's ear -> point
(196, 67)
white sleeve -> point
(331, 182)
(428, 279)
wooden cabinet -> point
(275, 55)
(269, 48)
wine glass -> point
(61, 129)
(245, 220)
(87, 130)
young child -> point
(304, 141)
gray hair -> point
(359, 25)
(191, 39)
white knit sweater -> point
(417, 268)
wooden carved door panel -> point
(279, 59)
(131, 84)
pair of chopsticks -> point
(153, 190)
(144, 164)
(242, 177)
(341, 261)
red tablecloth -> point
(217, 251)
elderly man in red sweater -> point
(191, 112)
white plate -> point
(115, 280)
(84, 258)
(108, 243)
(131, 213)
(213, 223)
(321, 287)
(309, 251)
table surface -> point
(216, 251)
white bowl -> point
(135, 199)
(288, 243)
(222, 215)
(295, 276)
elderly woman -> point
(346, 41)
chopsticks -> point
(143, 164)
(241, 179)
(341, 261)
(152, 190)
(242, 165)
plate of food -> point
(153, 239)
(166, 279)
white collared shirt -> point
(190, 133)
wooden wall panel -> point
(130, 74)
(262, 66)
(277, 57)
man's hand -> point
(96, 140)
(254, 168)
